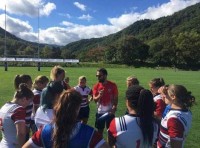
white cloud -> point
(80, 6)
(28, 8)
(70, 32)
(85, 17)
(15, 26)
(67, 15)
(153, 12)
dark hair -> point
(103, 70)
(157, 82)
(145, 111)
(183, 97)
(142, 102)
(132, 94)
(66, 112)
(21, 79)
(48, 95)
(23, 91)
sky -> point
(64, 21)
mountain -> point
(147, 30)
(16, 47)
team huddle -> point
(52, 114)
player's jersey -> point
(84, 92)
(43, 117)
(10, 114)
(83, 136)
(36, 100)
(127, 133)
(37, 94)
(29, 110)
(110, 91)
(175, 125)
(160, 105)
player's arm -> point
(18, 118)
(176, 132)
(35, 141)
(97, 94)
(91, 96)
(112, 133)
(21, 133)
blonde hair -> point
(56, 71)
(40, 79)
(82, 78)
(133, 79)
(184, 97)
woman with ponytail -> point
(65, 131)
(138, 128)
(12, 118)
(177, 122)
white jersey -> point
(43, 117)
(127, 132)
(175, 125)
(10, 114)
(84, 92)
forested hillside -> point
(171, 41)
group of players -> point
(56, 114)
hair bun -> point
(23, 86)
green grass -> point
(190, 79)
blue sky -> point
(65, 21)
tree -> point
(188, 44)
(46, 52)
(95, 54)
(132, 50)
(66, 54)
(110, 54)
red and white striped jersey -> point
(37, 94)
(36, 101)
(84, 92)
(10, 114)
(127, 133)
(175, 125)
(160, 105)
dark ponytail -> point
(145, 111)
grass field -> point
(190, 79)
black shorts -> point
(100, 124)
(84, 112)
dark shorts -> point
(100, 124)
(84, 112)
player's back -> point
(7, 113)
(129, 133)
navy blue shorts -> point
(84, 112)
(100, 124)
